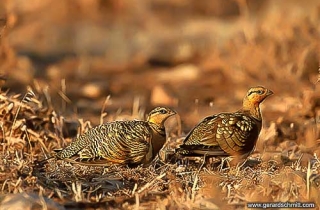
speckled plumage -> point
(121, 142)
(228, 134)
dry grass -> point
(31, 130)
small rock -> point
(91, 91)
(181, 73)
(28, 201)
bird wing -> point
(223, 134)
(119, 142)
(77, 145)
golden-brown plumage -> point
(121, 142)
(228, 134)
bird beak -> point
(269, 92)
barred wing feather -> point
(224, 134)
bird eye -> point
(163, 111)
(260, 92)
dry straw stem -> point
(149, 184)
(318, 75)
(103, 114)
(63, 95)
(26, 98)
(308, 179)
(77, 191)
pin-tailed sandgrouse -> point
(122, 142)
(228, 134)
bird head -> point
(255, 96)
(159, 115)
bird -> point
(130, 143)
(228, 134)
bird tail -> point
(40, 163)
(197, 150)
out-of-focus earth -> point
(66, 66)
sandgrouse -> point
(121, 142)
(228, 134)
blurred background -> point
(199, 57)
